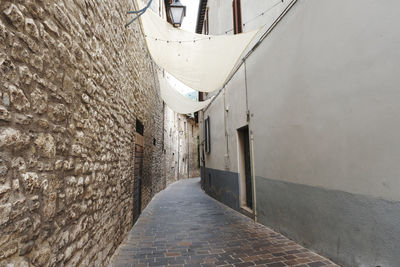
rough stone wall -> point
(153, 156)
(171, 145)
(159, 180)
(194, 140)
(180, 139)
(73, 81)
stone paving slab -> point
(182, 226)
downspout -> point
(226, 156)
(188, 147)
(178, 151)
(253, 175)
(202, 154)
(163, 148)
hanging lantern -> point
(176, 12)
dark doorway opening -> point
(246, 190)
(139, 127)
(138, 171)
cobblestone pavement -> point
(182, 226)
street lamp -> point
(177, 11)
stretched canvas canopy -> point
(202, 62)
(178, 102)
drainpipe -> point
(163, 147)
(178, 152)
(226, 156)
(188, 144)
(202, 154)
(252, 159)
(253, 177)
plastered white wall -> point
(215, 159)
(324, 96)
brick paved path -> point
(182, 226)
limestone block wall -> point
(194, 141)
(73, 81)
(171, 145)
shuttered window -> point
(206, 23)
(237, 17)
(207, 135)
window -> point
(207, 135)
(237, 17)
(206, 23)
(139, 127)
(198, 152)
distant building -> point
(305, 137)
(181, 135)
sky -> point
(188, 24)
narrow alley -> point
(182, 226)
(287, 110)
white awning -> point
(178, 102)
(202, 62)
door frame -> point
(243, 190)
(138, 175)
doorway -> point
(138, 172)
(245, 184)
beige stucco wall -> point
(325, 100)
(324, 113)
(227, 112)
(215, 159)
(323, 94)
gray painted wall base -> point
(352, 230)
(223, 186)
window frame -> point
(207, 141)
(206, 23)
(237, 17)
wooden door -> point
(138, 174)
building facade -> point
(304, 136)
(181, 135)
(74, 84)
(81, 130)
